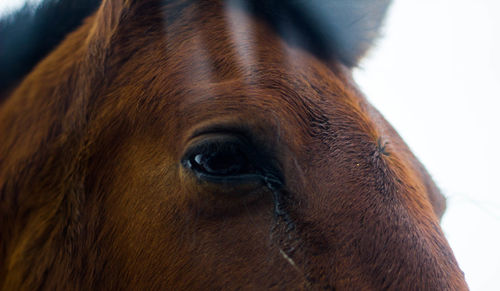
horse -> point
(207, 144)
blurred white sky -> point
(6, 6)
(436, 77)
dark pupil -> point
(227, 162)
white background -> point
(435, 75)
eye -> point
(225, 159)
(222, 159)
(230, 159)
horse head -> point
(214, 145)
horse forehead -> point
(238, 69)
(273, 83)
(232, 66)
(290, 84)
(217, 42)
(224, 67)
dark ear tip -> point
(341, 29)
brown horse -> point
(210, 144)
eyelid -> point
(224, 129)
(206, 142)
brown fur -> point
(93, 195)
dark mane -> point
(29, 34)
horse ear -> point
(344, 29)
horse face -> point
(244, 161)
(212, 153)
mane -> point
(29, 34)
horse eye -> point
(219, 160)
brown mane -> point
(93, 194)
